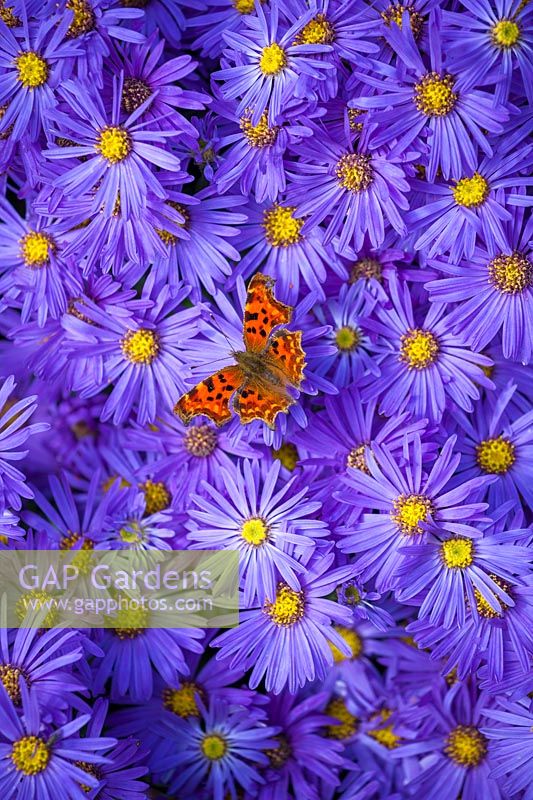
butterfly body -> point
(259, 382)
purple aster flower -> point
(37, 762)
(217, 17)
(454, 758)
(145, 76)
(113, 154)
(448, 575)
(30, 62)
(364, 604)
(219, 751)
(14, 432)
(131, 524)
(498, 441)
(511, 744)
(475, 207)
(268, 65)
(419, 99)
(141, 355)
(427, 365)
(302, 755)
(270, 526)
(494, 294)
(275, 244)
(358, 192)
(486, 39)
(406, 504)
(286, 641)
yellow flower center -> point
(505, 33)
(135, 92)
(200, 441)
(317, 31)
(511, 274)
(255, 531)
(496, 455)
(356, 459)
(353, 119)
(365, 269)
(434, 95)
(84, 18)
(32, 70)
(140, 347)
(347, 339)
(287, 608)
(466, 746)
(166, 236)
(260, 135)
(214, 747)
(281, 228)
(354, 172)
(10, 677)
(90, 769)
(385, 735)
(36, 249)
(114, 144)
(273, 59)
(30, 755)
(394, 13)
(129, 623)
(244, 6)
(278, 756)
(7, 15)
(288, 455)
(409, 511)
(471, 192)
(347, 723)
(418, 349)
(457, 553)
(352, 639)
(484, 609)
(156, 496)
(182, 701)
(133, 534)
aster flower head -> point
(357, 193)
(271, 527)
(286, 640)
(428, 366)
(508, 728)
(267, 64)
(419, 99)
(407, 503)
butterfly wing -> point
(262, 312)
(211, 396)
(256, 400)
(286, 353)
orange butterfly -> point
(260, 379)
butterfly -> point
(259, 381)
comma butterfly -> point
(259, 381)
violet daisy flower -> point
(130, 526)
(496, 294)
(449, 575)
(268, 65)
(406, 504)
(36, 762)
(115, 155)
(285, 642)
(141, 355)
(417, 99)
(275, 243)
(427, 365)
(14, 432)
(498, 441)
(271, 527)
(30, 57)
(302, 755)
(491, 39)
(475, 207)
(221, 750)
(358, 193)
(509, 732)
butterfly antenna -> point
(219, 329)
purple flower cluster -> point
(375, 160)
